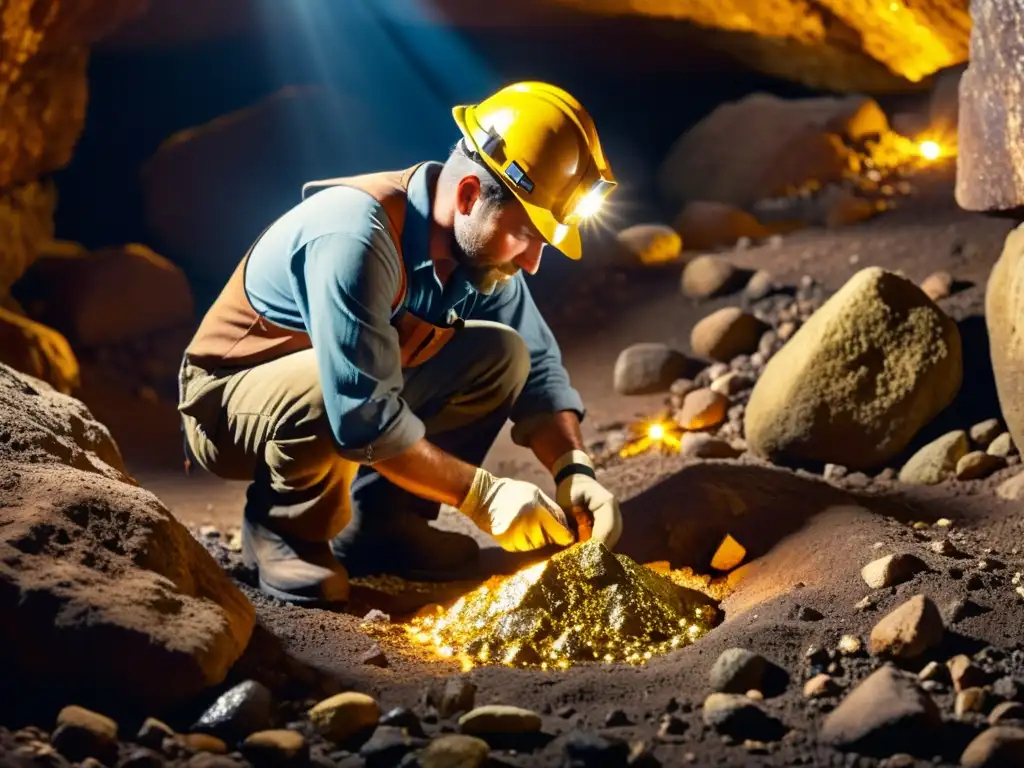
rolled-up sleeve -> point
(345, 284)
(548, 388)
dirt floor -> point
(807, 539)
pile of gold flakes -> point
(585, 604)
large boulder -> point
(104, 595)
(991, 111)
(762, 146)
(860, 378)
(1004, 317)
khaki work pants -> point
(268, 424)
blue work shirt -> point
(330, 268)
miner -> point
(372, 343)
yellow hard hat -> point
(543, 145)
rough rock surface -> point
(876, 363)
(648, 367)
(705, 225)
(936, 461)
(990, 157)
(103, 593)
(727, 333)
(1004, 308)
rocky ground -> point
(874, 618)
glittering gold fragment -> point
(584, 604)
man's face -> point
(493, 242)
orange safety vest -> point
(233, 334)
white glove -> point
(516, 513)
(580, 489)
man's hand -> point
(518, 514)
(578, 487)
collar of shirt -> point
(448, 274)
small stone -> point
(908, 631)
(388, 746)
(887, 711)
(670, 726)
(740, 717)
(458, 695)
(1006, 710)
(707, 276)
(275, 747)
(850, 645)
(702, 409)
(152, 733)
(726, 333)
(755, 747)
(984, 432)
(944, 522)
(454, 751)
(866, 603)
(937, 285)
(933, 671)
(969, 700)
(978, 464)
(203, 742)
(1009, 688)
(400, 717)
(821, 686)
(891, 570)
(1001, 445)
(209, 531)
(701, 445)
(786, 330)
(565, 712)
(944, 547)
(834, 471)
(82, 733)
(344, 715)
(737, 670)
(499, 718)
(374, 657)
(648, 367)
(755, 694)
(732, 383)
(964, 673)
(998, 746)
(589, 749)
(243, 709)
(616, 718)
(375, 616)
(936, 461)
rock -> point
(891, 570)
(706, 225)
(1012, 489)
(969, 700)
(650, 244)
(648, 367)
(938, 285)
(700, 445)
(850, 645)
(583, 750)
(978, 464)
(737, 670)
(933, 671)
(275, 748)
(739, 716)
(726, 333)
(344, 715)
(457, 695)
(844, 207)
(1009, 688)
(759, 286)
(82, 733)
(821, 686)
(374, 657)
(616, 718)
(125, 602)
(708, 276)
(732, 383)
(964, 673)
(936, 461)
(944, 547)
(984, 432)
(989, 110)
(388, 746)
(498, 718)
(152, 733)
(455, 751)
(724, 158)
(36, 350)
(141, 758)
(998, 747)
(400, 717)
(1003, 310)
(111, 296)
(821, 397)
(909, 630)
(1002, 445)
(246, 708)
(682, 387)
(1006, 710)
(887, 712)
(202, 742)
(670, 726)
(702, 409)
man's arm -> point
(554, 436)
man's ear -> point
(466, 194)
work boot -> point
(405, 545)
(303, 572)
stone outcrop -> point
(1004, 309)
(860, 378)
(990, 159)
(104, 595)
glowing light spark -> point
(930, 150)
(659, 433)
(656, 431)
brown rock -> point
(910, 630)
(127, 602)
(936, 461)
(937, 285)
(82, 733)
(964, 673)
(724, 334)
(275, 747)
(650, 244)
(994, 748)
(1002, 445)
(984, 432)
(821, 686)
(990, 109)
(732, 383)
(344, 715)
(969, 700)
(891, 570)
(1004, 306)
(455, 751)
(702, 409)
(204, 742)
(1012, 489)
(41, 352)
(708, 276)
(1006, 710)
(978, 464)
(844, 207)
(820, 397)
(706, 225)
(700, 445)
(499, 718)
(648, 367)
